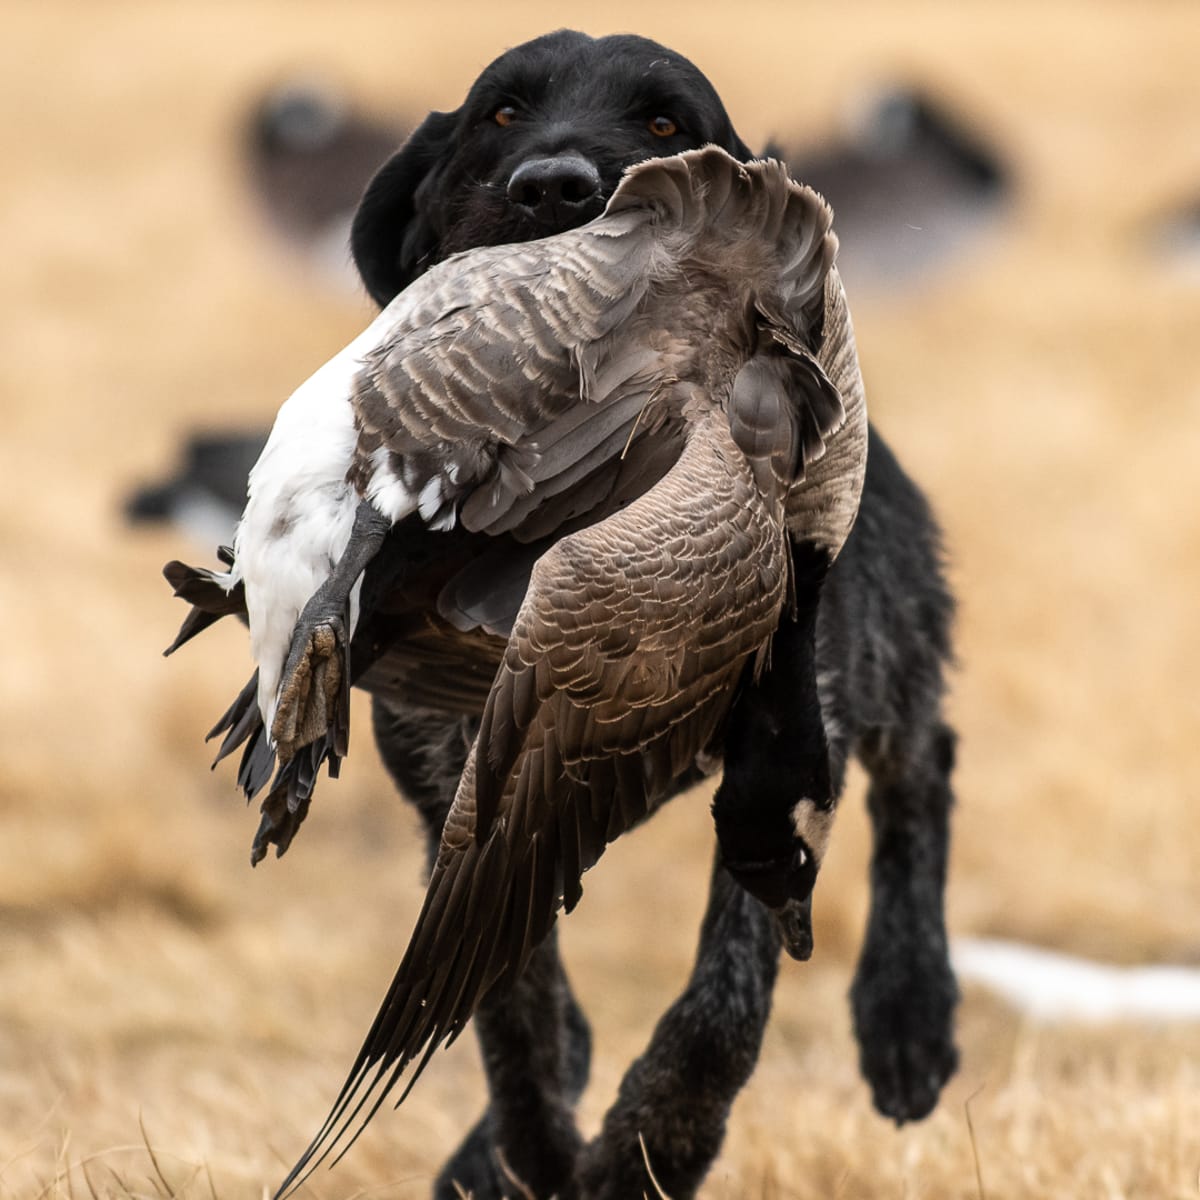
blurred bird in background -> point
(308, 151)
(911, 183)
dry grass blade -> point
(166, 1183)
(68, 1174)
(512, 1176)
(974, 1144)
(60, 1166)
(638, 419)
(120, 1184)
(91, 1187)
(650, 1170)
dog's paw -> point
(472, 1171)
(903, 1006)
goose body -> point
(639, 413)
(300, 510)
(506, 386)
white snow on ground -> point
(1051, 986)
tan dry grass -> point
(1046, 391)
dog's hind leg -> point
(536, 1049)
(534, 1037)
(675, 1098)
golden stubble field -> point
(1045, 389)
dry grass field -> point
(155, 992)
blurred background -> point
(1018, 190)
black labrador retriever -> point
(538, 145)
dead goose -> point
(655, 393)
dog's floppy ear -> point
(739, 149)
(391, 234)
(729, 140)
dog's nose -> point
(551, 189)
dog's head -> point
(537, 147)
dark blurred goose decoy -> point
(309, 153)
(613, 432)
(910, 180)
(206, 495)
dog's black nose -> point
(553, 190)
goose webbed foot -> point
(314, 693)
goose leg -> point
(314, 687)
(904, 991)
(534, 1039)
(677, 1095)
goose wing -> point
(618, 672)
(822, 504)
(500, 379)
(509, 378)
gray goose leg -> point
(314, 689)
(534, 1039)
(904, 992)
(677, 1095)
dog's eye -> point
(662, 126)
(504, 115)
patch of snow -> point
(1051, 986)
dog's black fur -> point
(864, 676)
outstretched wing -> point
(619, 671)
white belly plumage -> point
(300, 510)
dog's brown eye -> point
(662, 126)
(504, 115)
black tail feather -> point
(258, 762)
(238, 721)
(195, 622)
(291, 786)
(204, 590)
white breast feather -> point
(301, 510)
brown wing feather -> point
(499, 382)
(619, 671)
(822, 505)
(489, 350)
(782, 412)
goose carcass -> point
(615, 431)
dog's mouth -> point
(524, 207)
